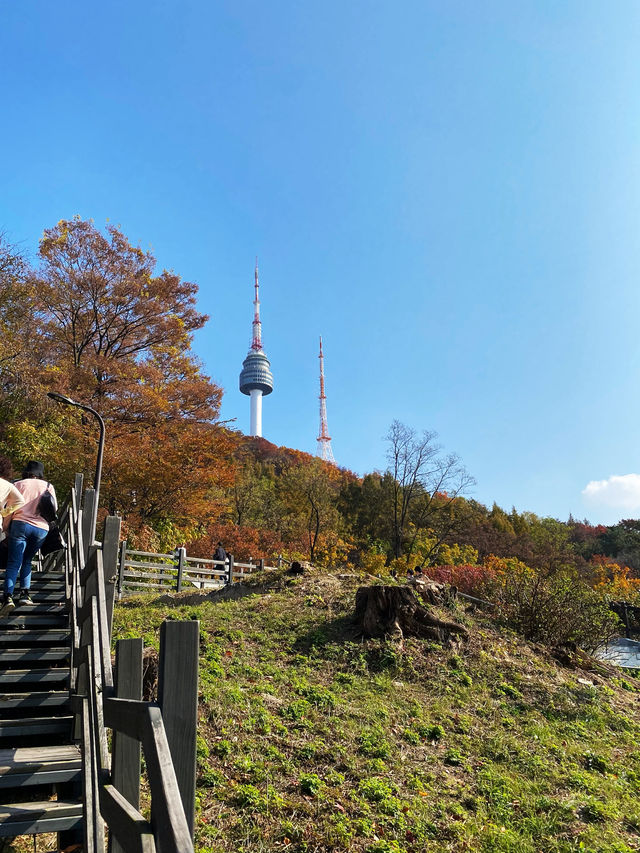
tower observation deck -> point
(256, 379)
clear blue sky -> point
(448, 192)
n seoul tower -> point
(256, 378)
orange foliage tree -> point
(107, 329)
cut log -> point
(385, 610)
(150, 674)
(435, 593)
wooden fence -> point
(166, 730)
(141, 571)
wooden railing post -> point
(121, 560)
(110, 545)
(77, 487)
(88, 509)
(125, 770)
(182, 559)
(230, 572)
(178, 700)
(261, 565)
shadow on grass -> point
(342, 629)
(189, 597)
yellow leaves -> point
(613, 580)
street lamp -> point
(60, 398)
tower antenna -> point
(256, 379)
(324, 439)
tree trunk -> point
(383, 610)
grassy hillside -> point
(312, 740)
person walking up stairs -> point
(40, 769)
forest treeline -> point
(93, 318)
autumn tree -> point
(425, 482)
(311, 492)
(116, 333)
(106, 328)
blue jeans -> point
(24, 542)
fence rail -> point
(142, 571)
(165, 731)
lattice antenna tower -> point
(324, 439)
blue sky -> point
(448, 192)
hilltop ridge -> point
(313, 739)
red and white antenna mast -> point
(324, 439)
(256, 343)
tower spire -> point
(324, 439)
(256, 343)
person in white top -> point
(10, 498)
(27, 532)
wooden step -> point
(36, 817)
(30, 726)
(45, 596)
(33, 657)
(47, 580)
(39, 608)
(53, 699)
(39, 765)
(47, 576)
(34, 676)
(30, 637)
(38, 621)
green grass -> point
(312, 740)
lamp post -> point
(60, 398)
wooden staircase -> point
(40, 765)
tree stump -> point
(149, 674)
(384, 610)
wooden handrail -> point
(174, 571)
(96, 708)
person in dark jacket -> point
(220, 553)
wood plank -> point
(47, 576)
(130, 564)
(42, 655)
(110, 544)
(149, 554)
(29, 726)
(89, 509)
(39, 621)
(29, 636)
(178, 699)
(126, 715)
(36, 817)
(34, 676)
(54, 774)
(10, 701)
(167, 811)
(40, 608)
(126, 750)
(126, 824)
(153, 575)
(28, 754)
(39, 765)
(190, 570)
(46, 596)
